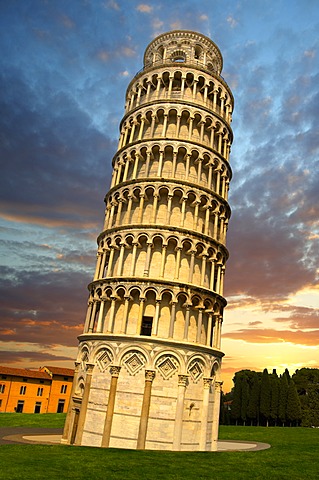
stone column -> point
(119, 171)
(156, 317)
(215, 232)
(140, 133)
(124, 139)
(139, 91)
(187, 166)
(102, 266)
(210, 175)
(212, 137)
(215, 426)
(178, 125)
(84, 403)
(183, 85)
(66, 430)
(163, 260)
(88, 316)
(177, 262)
(153, 125)
(127, 166)
(129, 208)
(207, 215)
(149, 377)
(190, 130)
(148, 259)
(203, 272)
(222, 276)
(212, 274)
(147, 164)
(134, 124)
(178, 424)
(202, 127)
(199, 170)
(209, 329)
(219, 267)
(154, 209)
(140, 316)
(195, 220)
(203, 430)
(112, 314)
(164, 125)
(199, 325)
(141, 208)
(135, 245)
(110, 264)
(187, 314)
(113, 205)
(125, 315)
(119, 212)
(135, 166)
(191, 266)
(98, 265)
(115, 371)
(121, 258)
(99, 327)
(93, 313)
(172, 319)
(148, 89)
(184, 200)
(169, 208)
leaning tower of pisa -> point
(148, 368)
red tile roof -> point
(24, 372)
(65, 372)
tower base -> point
(136, 393)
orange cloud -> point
(298, 337)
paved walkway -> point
(50, 436)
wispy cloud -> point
(144, 8)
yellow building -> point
(30, 391)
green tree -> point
(307, 384)
(293, 405)
(244, 399)
(274, 397)
(265, 397)
(253, 402)
(236, 405)
(283, 396)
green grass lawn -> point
(43, 420)
(294, 455)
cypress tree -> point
(236, 405)
(283, 396)
(265, 397)
(274, 402)
(293, 404)
(253, 402)
(244, 399)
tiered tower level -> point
(148, 368)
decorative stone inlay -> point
(104, 359)
(196, 370)
(167, 366)
(134, 362)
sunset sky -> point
(65, 66)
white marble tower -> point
(148, 367)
